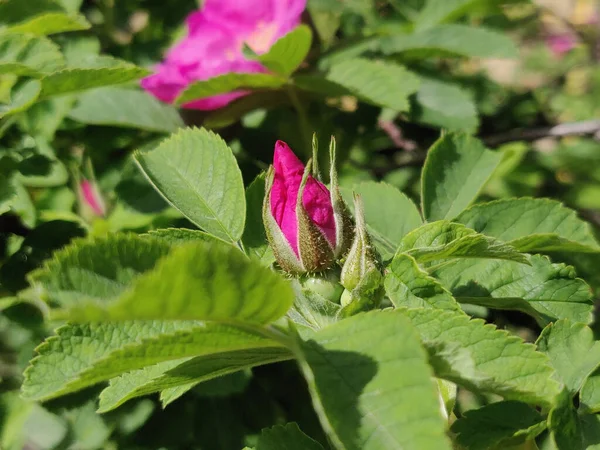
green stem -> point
(305, 128)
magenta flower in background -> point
(90, 199)
(560, 44)
(213, 46)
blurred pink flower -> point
(214, 43)
(316, 199)
(91, 199)
(560, 44)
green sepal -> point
(315, 251)
(344, 226)
(283, 251)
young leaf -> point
(531, 225)
(389, 213)
(565, 424)
(407, 285)
(377, 82)
(498, 425)
(96, 269)
(288, 437)
(197, 173)
(50, 23)
(288, 52)
(228, 83)
(572, 350)
(114, 106)
(373, 396)
(544, 290)
(187, 373)
(498, 363)
(589, 397)
(23, 95)
(443, 239)
(453, 39)
(197, 281)
(29, 55)
(439, 11)
(448, 188)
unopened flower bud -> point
(299, 214)
(90, 199)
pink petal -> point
(92, 198)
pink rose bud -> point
(214, 46)
(90, 199)
(307, 226)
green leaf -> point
(456, 168)
(8, 193)
(380, 83)
(104, 72)
(29, 55)
(50, 23)
(443, 239)
(589, 397)
(445, 105)
(406, 284)
(311, 309)
(531, 225)
(373, 396)
(439, 11)
(228, 83)
(389, 213)
(565, 425)
(198, 174)
(96, 269)
(181, 236)
(572, 351)
(62, 358)
(14, 11)
(498, 425)
(113, 106)
(453, 39)
(23, 95)
(499, 362)
(198, 281)
(191, 371)
(234, 111)
(544, 290)
(286, 55)
(254, 237)
(288, 437)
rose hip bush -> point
(298, 225)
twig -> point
(564, 129)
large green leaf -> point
(95, 73)
(389, 213)
(62, 358)
(255, 237)
(439, 11)
(289, 51)
(198, 174)
(443, 239)
(407, 285)
(46, 376)
(446, 105)
(493, 360)
(228, 83)
(531, 225)
(544, 290)
(456, 169)
(453, 39)
(498, 424)
(589, 397)
(29, 55)
(572, 350)
(96, 269)
(129, 108)
(197, 281)
(288, 437)
(377, 82)
(190, 371)
(566, 426)
(373, 396)
(50, 23)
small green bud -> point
(326, 286)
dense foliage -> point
(426, 282)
